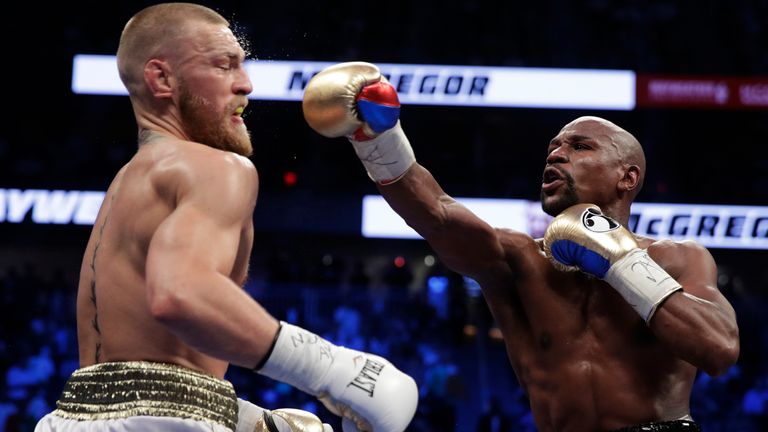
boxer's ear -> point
(158, 77)
(630, 180)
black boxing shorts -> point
(665, 426)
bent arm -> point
(466, 243)
(189, 267)
(698, 324)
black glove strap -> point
(269, 421)
(264, 359)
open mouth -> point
(551, 179)
(237, 115)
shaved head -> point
(592, 160)
(150, 34)
(628, 148)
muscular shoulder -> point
(179, 170)
(205, 162)
(519, 257)
(511, 239)
(196, 162)
(518, 247)
(680, 256)
(224, 168)
(676, 248)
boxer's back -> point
(114, 318)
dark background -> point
(309, 262)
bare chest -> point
(555, 316)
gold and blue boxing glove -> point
(583, 238)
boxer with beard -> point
(161, 312)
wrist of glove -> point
(253, 418)
(367, 390)
(642, 282)
(582, 237)
(387, 157)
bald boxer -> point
(612, 346)
(161, 311)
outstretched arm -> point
(466, 243)
(698, 324)
(355, 100)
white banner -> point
(417, 84)
(44, 206)
(714, 226)
(379, 220)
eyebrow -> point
(581, 138)
(230, 55)
(238, 56)
(572, 138)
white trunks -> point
(53, 423)
(142, 396)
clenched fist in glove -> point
(369, 392)
(583, 237)
(253, 418)
(355, 100)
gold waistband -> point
(126, 389)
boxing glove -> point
(354, 100)
(253, 418)
(369, 392)
(583, 238)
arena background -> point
(310, 264)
